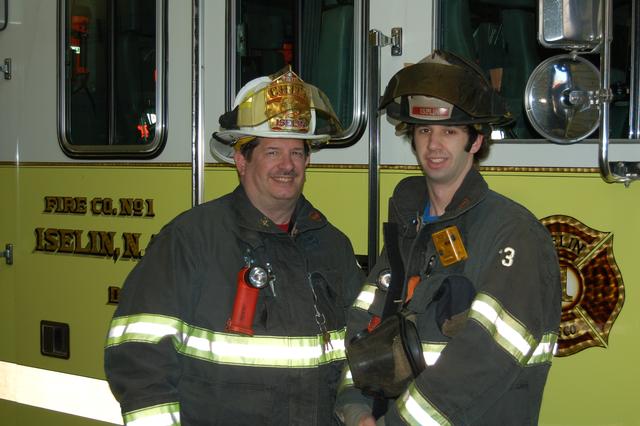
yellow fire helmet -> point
(277, 106)
(446, 89)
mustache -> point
(290, 173)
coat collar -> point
(306, 217)
(410, 197)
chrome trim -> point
(373, 94)
(436, 31)
(197, 106)
(634, 93)
(358, 125)
(232, 46)
(6, 15)
(356, 129)
(623, 174)
(113, 151)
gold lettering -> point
(103, 206)
(50, 204)
(569, 242)
(126, 206)
(78, 243)
(107, 207)
(69, 205)
(39, 239)
(131, 245)
(107, 247)
(94, 205)
(66, 237)
(51, 240)
(94, 242)
(150, 212)
(138, 207)
(81, 205)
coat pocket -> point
(203, 402)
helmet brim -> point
(469, 92)
(232, 136)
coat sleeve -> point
(512, 325)
(350, 401)
(141, 361)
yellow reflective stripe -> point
(545, 349)
(366, 296)
(431, 351)
(416, 410)
(226, 348)
(505, 329)
(346, 379)
(144, 328)
(264, 351)
(158, 415)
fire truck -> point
(106, 115)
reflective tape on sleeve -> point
(228, 348)
(158, 415)
(543, 353)
(506, 330)
(366, 296)
(144, 328)
(416, 410)
(346, 379)
(431, 352)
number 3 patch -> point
(509, 255)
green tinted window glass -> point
(320, 39)
(112, 77)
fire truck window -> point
(501, 37)
(112, 78)
(318, 38)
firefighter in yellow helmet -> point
(236, 314)
(464, 319)
(280, 106)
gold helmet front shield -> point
(276, 106)
(286, 105)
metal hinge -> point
(6, 68)
(8, 254)
(376, 38)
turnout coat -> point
(488, 324)
(168, 358)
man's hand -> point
(356, 415)
(367, 420)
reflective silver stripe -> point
(505, 329)
(263, 351)
(416, 410)
(158, 415)
(366, 296)
(431, 351)
(144, 328)
(226, 348)
(346, 379)
(62, 392)
(545, 349)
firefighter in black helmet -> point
(481, 279)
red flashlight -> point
(250, 281)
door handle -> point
(7, 253)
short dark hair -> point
(247, 149)
(472, 131)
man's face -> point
(440, 151)
(274, 176)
